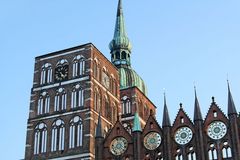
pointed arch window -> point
(43, 103)
(58, 134)
(77, 97)
(97, 100)
(192, 155)
(126, 105)
(76, 132)
(78, 66)
(212, 152)
(96, 69)
(40, 139)
(46, 74)
(108, 112)
(226, 150)
(60, 102)
(178, 155)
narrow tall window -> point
(126, 105)
(226, 152)
(78, 66)
(58, 133)
(192, 156)
(76, 132)
(43, 103)
(46, 74)
(40, 139)
(212, 154)
(77, 97)
(97, 100)
(60, 102)
(108, 111)
(95, 70)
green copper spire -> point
(136, 123)
(120, 46)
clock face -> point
(61, 73)
(152, 140)
(183, 135)
(217, 130)
(118, 146)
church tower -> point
(72, 89)
(133, 91)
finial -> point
(181, 106)
(213, 99)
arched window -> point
(77, 97)
(60, 102)
(43, 103)
(75, 132)
(226, 150)
(40, 139)
(126, 105)
(97, 100)
(212, 154)
(114, 87)
(159, 156)
(58, 133)
(96, 69)
(117, 55)
(78, 66)
(178, 155)
(192, 156)
(46, 74)
(108, 112)
(124, 55)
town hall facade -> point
(85, 107)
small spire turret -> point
(136, 123)
(99, 127)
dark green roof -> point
(129, 78)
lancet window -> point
(46, 73)
(77, 99)
(79, 66)
(60, 102)
(58, 133)
(43, 103)
(97, 100)
(40, 139)
(226, 151)
(76, 132)
(126, 105)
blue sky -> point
(176, 44)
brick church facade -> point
(85, 107)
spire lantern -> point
(120, 45)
